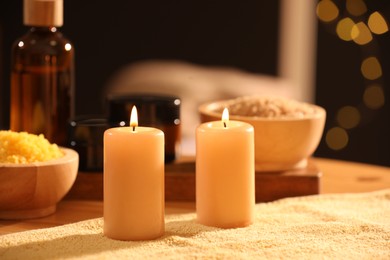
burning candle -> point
(133, 182)
(225, 189)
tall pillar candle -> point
(133, 182)
(225, 189)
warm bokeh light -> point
(355, 23)
(337, 138)
(374, 97)
(361, 34)
(348, 117)
(68, 47)
(344, 29)
(356, 7)
(327, 11)
(371, 68)
(377, 23)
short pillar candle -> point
(225, 174)
(133, 182)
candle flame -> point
(134, 118)
(225, 116)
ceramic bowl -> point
(280, 143)
(33, 190)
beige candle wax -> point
(133, 182)
(225, 189)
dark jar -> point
(159, 111)
(86, 138)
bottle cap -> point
(43, 12)
(86, 137)
(153, 109)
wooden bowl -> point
(280, 143)
(33, 190)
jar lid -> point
(43, 12)
(152, 109)
(86, 138)
(87, 130)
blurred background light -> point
(371, 68)
(356, 7)
(366, 24)
(348, 117)
(377, 23)
(344, 29)
(327, 11)
(361, 34)
(337, 138)
(374, 97)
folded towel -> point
(339, 226)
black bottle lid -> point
(153, 110)
(86, 137)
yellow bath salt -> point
(20, 148)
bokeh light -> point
(377, 23)
(374, 97)
(371, 68)
(356, 7)
(68, 47)
(348, 117)
(344, 29)
(355, 23)
(337, 138)
(361, 34)
(327, 11)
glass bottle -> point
(42, 74)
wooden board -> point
(180, 183)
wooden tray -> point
(180, 183)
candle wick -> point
(224, 124)
(133, 128)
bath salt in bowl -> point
(34, 175)
(287, 132)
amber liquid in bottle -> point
(42, 84)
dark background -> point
(240, 34)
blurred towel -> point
(340, 226)
(194, 84)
